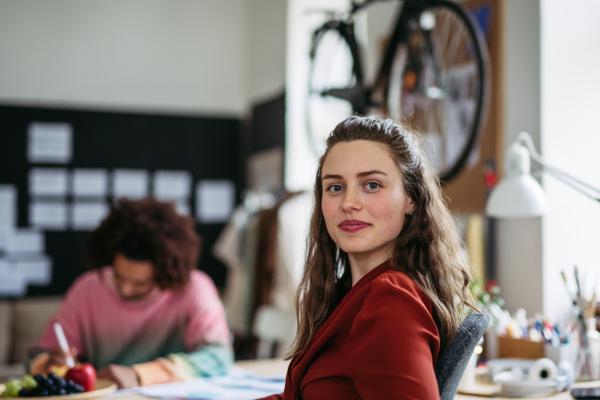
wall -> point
(266, 44)
(202, 57)
(519, 241)
(570, 141)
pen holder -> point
(519, 348)
(588, 356)
(564, 352)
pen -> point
(64, 345)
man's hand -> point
(124, 377)
(59, 357)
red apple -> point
(83, 374)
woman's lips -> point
(351, 225)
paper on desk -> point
(236, 385)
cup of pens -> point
(588, 355)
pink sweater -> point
(106, 329)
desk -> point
(271, 367)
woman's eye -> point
(373, 185)
(335, 188)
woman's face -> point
(364, 203)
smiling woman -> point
(384, 266)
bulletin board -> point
(207, 148)
(467, 193)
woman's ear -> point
(410, 207)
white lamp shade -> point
(517, 196)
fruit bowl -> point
(104, 387)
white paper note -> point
(49, 142)
(87, 216)
(172, 185)
(90, 183)
(8, 205)
(11, 281)
(130, 183)
(48, 181)
(35, 269)
(48, 215)
(26, 240)
(215, 200)
(183, 207)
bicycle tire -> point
(351, 92)
(396, 106)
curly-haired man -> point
(144, 314)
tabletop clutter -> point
(535, 355)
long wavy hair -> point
(428, 249)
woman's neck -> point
(363, 263)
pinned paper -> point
(25, 241)
(48, 215)
(87, 216)
(49, 142)
(215, 200)
(130, 183)
(90, 183)
(12, 282)
(48, 181)
(8, 206)
(35, 269)
(183, 207)
(172, 185)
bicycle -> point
(433, 76)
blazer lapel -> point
(300, 363)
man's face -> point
(134, 279)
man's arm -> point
(206, 337)
(47, 352)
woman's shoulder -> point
(393, 287)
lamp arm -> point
(562, 176)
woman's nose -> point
(351, 201)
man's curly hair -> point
(147, 230)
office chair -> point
(452, 362)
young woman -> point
(385, 272)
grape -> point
(28, 382)
(12, 388)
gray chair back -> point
(452, 362)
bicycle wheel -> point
(335, 88)
(437, 82)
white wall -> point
(266, 44)
(570, 140)
(183, 56)
(519, 252)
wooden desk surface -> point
(272, 367)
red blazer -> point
(380, 343)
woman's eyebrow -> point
(329, 176)
(372, 172)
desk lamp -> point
(519, 195)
